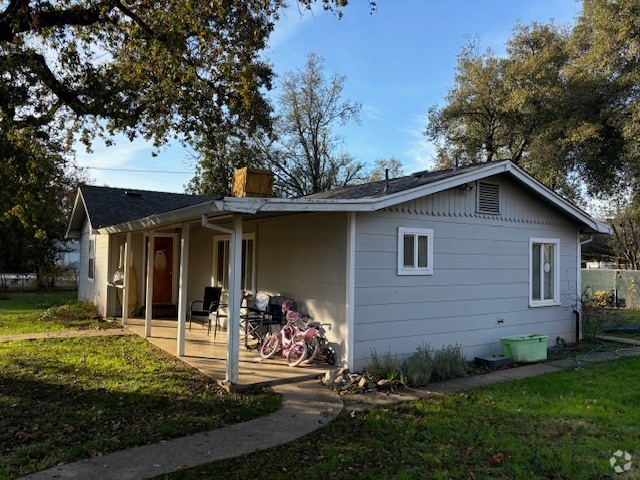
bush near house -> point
(419, 368)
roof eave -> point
(591, 225)
(74, 228)
(180, 215)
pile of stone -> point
(345, 382)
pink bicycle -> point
(290, 340)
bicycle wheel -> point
(270, 346)
(296, 354)
(313, 348)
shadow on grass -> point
(55, 409)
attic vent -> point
(488, 198)
(131, 193)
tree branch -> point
(19, 17)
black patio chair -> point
(209, 305)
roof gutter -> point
(175, 216)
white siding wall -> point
(94, 291)
(480, 276)
(304, 257)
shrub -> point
(595, 315)
(449, 362)
(416, 369)
(383, 367)
(602, 299)
(419, 368)
(70, 313)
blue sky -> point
(398, 61)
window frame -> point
(416, 233)
(91, 259)
(226, 239)
(541, 302)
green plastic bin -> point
(525, 348)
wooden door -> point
(163, 270)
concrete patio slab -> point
(208, 354)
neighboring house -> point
(460, 256)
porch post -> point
(350, 293)
(182, 287)
(235, 299)
(148, 312)
(127, 273)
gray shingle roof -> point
(377, 189)
(108, 206)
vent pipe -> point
(386, 180)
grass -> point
(625, 318)
(22, 313)
(564, 425)
(67, 399)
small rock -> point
(362, 383)
(384, 384)
(329, 377)
(339, 381)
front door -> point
(163, 270)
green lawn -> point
(22, 313)
(627, 318)
(558, 426)
(67, 399)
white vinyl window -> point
(544, 265)
(415, 251)
(221, 254)
(91, 258)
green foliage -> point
(69, 399)
(71, 314)
(602, 299)
(560, 425)
(383, 367)
(448, 363)
(562, 104)
(46, 312)
(595, 315)
(34, 201)
(381, 165)
(419, 368)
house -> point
(462, 256)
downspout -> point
(579, 287)
(216, 228)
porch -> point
(209, 356)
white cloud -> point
(292, 21)
(151, 173)
(372, 112)
(421, 150)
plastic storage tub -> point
(525, 348)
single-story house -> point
(462, 256)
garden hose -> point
(619, 352)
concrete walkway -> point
(66, 334)
(305, 407)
